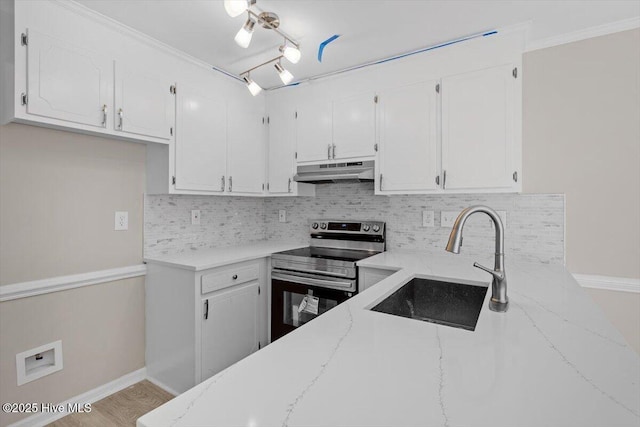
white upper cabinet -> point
(478, 129)
(200, 140)
(313, 127)
(408, 127)
(246, 140)
(68, 83)
(144, 102)
(281, 148)
(331, 126)
(354, 125)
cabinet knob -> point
(235, 276)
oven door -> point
(289, 296)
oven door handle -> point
(312, 271)
(309, 281)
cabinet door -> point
(354, 126)
(313, 130)
(201, 140)
(281, 148)
(245, 145)
(144, 102)
(408, 138)
(66, 82)
(478, 120)
(229, 328)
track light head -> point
(236, 7)
(243, 38)
(284, 74)
(253, 87)
(292, 53)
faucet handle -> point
(497, 274)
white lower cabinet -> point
(368, 276)
(201, 322)
(229, 327)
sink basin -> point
(446, 303)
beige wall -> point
(581, 137)
(102, 333)
(58, 195)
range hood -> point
(336, 172)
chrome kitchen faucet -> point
(499, 301)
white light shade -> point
(292, 54)
(253, 87)
(243, 38)
(286, 77)
(235, 7)
(284, 74)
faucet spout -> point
(499, 301)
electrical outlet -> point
(282, 215)
(121, 221)
(427, 219)
(447, 218)
(195, 217)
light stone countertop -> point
(211, 258)
(552, 359)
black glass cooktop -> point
(329, 253)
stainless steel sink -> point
(446, 303)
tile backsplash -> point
(223, 221)
(534, 228)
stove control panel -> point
(348, 227)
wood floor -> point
(120, 409)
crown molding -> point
(587, 33)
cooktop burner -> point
(330, 253)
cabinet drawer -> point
(230, 276)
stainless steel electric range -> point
(306, 282)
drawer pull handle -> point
(235, 276)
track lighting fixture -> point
(253, 87)
(243, 38)
(285, 75)
(270, 21)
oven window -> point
(294, 316)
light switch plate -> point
(447, 218)
(195, 217)
(282, 215)
(121, 221)
(427, 219)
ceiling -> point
(368, 30)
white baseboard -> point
(90, 396)
(63, 283)
(609, 283)
(162, 386)
(587, 33)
